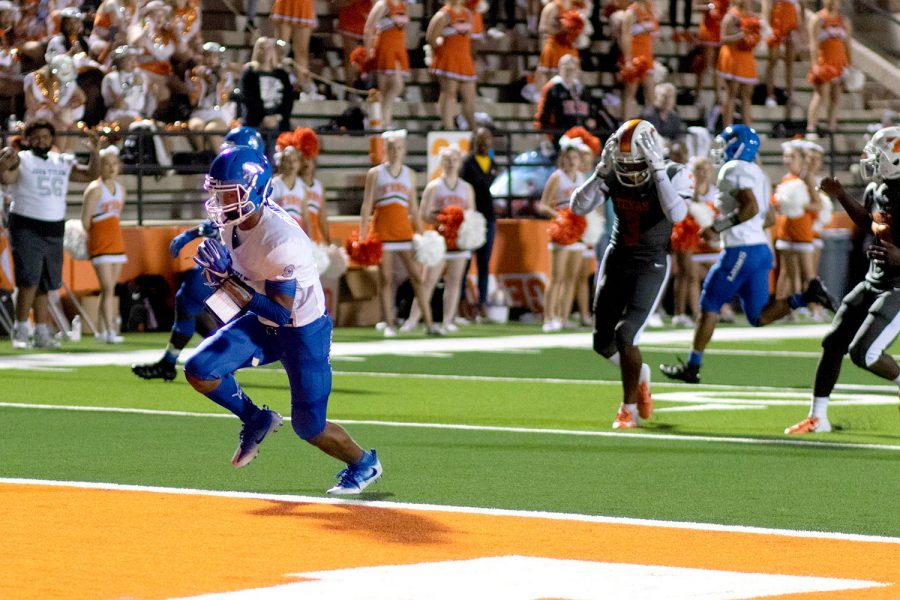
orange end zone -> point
(91, 543)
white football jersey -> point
(40, 191)
(738, 175)
(277, 249)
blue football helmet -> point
(245, 136)
(736, 142)
(238, 183)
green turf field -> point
(528, 428)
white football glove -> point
(605, 166)
(652, 151)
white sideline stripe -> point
(491, 428)
(473, 510)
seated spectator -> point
(187, 19)
(10, 70)
(157, 43)
(111, 24)
(70, 39)
(266, 89)
(663, 115)
(127, 90)
(564, 102)
(209, 89)
(51, 94)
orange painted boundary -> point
(63, 542)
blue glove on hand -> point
(208, 229)
(181, 240)
(213, 257)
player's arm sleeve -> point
(277, 303)
(673, 187)
(589, 195)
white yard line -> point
(493, 428)
(499, 512)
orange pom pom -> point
(820, 74)
(751, 28)
(572, 25)
(449, 219)
(592, 141)
(567, 228)
(367, 252)
(359, 58)
(306, 141)
(686, 235)
(635, 69)
(284, 140)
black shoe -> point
(682, 372)
(816, 293)
(158, 370)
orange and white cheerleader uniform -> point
(564, 193)
(832, 56)
(453, 59)
(736, 60)
(393, 196)
(557, 46)
(300, 13)
(784, 20)
(314, 196)
(352, 19)
(477, 19)
(111, 16)
(187, 22)
(644, 29)
(290, 198)
(711, 26)
(105, 243)
(686, 232)
(445, 196)
(390, 46)
(793, 233)
(157, 48)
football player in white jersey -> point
(39, 182)
(744, 265)
(268, 291)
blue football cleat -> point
(355, 478)
(253, 433)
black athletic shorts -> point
(37, 252)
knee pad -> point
(307, 421)
(864, 357)
(200, 366)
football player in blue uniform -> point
(193, 292)
(268, 291)
(746, 260)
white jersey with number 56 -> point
(40, 191)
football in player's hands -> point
(652, 151)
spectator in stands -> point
(784, 18)
(294, 21)
(266, 89)
(111, 24)
(385, 42)
(100, 215)
(565, 101)
(187, 19)
(10, 70)
(448, 36)
(157, 42)
(560, 26)
(636, 33)
(210, 86)
(495, 29)
(479, 171)
(351, 24)
(683, 33)
(35, 22)
(127, 90)
(70, 39)
(52, 94)
(39, 179)
(737, 66)
(663, 114)
(829, 51)
(251, 7)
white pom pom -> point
(321, 258)
(429, 248)
(75, 240)
(660, 72)
(472, 231)
(429, 55)
(596, 223)
(823, 218)
(792, 197)
(703, 214)
(338, 262)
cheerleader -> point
(288, 189)
(796, 202)
(565, 260)
(294, 21)
(740, 35)
(315, 213)
(710, 36)
(829, 51)
(588, 152)
(351, 24)
(390, 191)
(784, 19)
(385, 40)
(815, 155)
(448, 35)
(209, 87)
(52, 94)
(686, 241)
(126, 89)
(560, 26)
(636, 33)
(100, 216)
(445, 191)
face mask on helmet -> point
(717, 152)
(632, 173)
(881, 156)
(237, 185)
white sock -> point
(42, 328)
(170, 349)
(615, 360)
(632, 409)
(819, 407)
